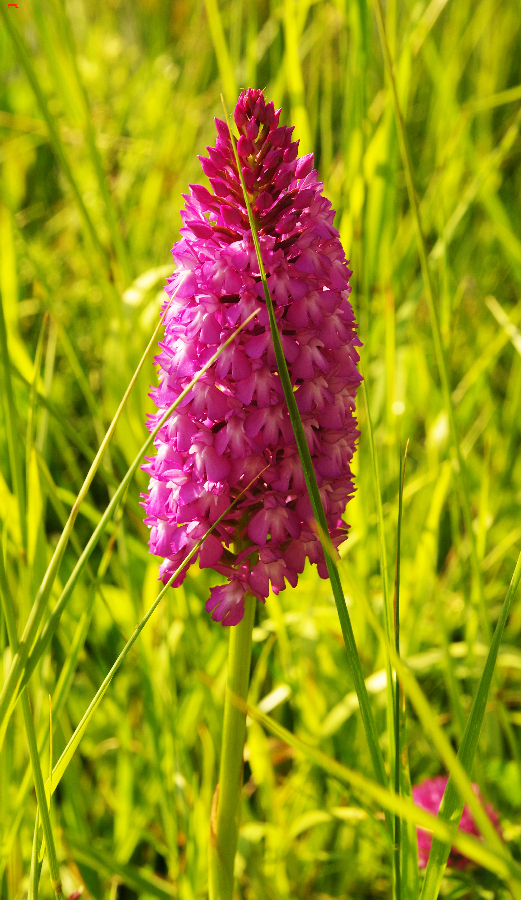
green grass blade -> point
(82, 380)
(72, 745)
(25, 59)
(10, 421)
(35, 509)
(293, 69)
(372, 791)
(59, 698)
(388, 614)
(33, 397)
(491, 163)
(318, 510)
(479, 366)
(9, 690)
(406, 843)
(20, 661)
(458, 772)
(36, 866)
(452, 805)
(508, 327)
(467, 749)
(75, 439)
(400, 736)
(55, 616)
(433, 315)
(8, 608)
(140, 880)
(434, 731)
(59, 508)
(111, 212)
(410, 874)
(71, 434)
(222, 53)
(48, 375)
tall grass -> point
(103, 110)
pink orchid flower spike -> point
(235, 423)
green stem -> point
(24, 57)
(398, 700)
(34, 876)
(10, 427)
(43, 809)
(389, 613)
(224, 828)
(41, 798)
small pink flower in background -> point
(235, 424)
(429, 795)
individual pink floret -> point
(234, 424)
(429, 795)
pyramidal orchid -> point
(234, 424)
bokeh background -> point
(103, 110)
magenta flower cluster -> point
(234, 425)
(429, 795)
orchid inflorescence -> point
(234, 424)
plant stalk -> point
(398, 850)
(11, 429)
(10, 621)
(226, 807)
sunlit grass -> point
(90, 201)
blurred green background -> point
(103, 110)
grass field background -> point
(103, 110)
